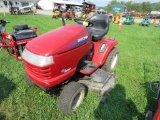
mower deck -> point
(100, 81)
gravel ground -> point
(49, 12)
(43, 12)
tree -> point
(146, 7)
(138, 7)
(156, 6)
(109, 6)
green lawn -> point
(130, 99)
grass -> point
(130, 99)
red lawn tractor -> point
(88, 7)
(15, 42)
(13, 10)
(71, 58)
(69, 14)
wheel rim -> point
(114, 61)
(77, 100)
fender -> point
(101, 56)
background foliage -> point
(138, 7)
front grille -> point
(43, 73)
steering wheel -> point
(3, 22)
(79, 21)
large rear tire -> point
(71, 97)
(111, 61)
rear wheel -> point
(11, 50)
(71, 97)
(111, 61)
(29, 81)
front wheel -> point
(71, 97)
(111, 61)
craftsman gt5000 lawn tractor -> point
(71, 57)
(15, 42)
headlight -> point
(37, 59)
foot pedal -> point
(89, 66)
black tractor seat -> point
(146, 18)
(100, 26)
(23, 34)
(21, 27)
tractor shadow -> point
(6, 88)
(117, 107)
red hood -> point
(59, 40)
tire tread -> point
(66, 96)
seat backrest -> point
(21, 27)
(100, 25)
(100, 21)
(146, 17)
(24, 34)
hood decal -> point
(79, 42)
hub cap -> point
(114, 61)
(77, 100)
